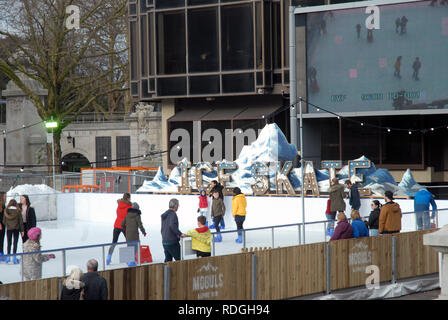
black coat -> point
(30, 218)
(95, 286)
(70, 294)
(374, 219)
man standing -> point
(355, 201)
(170, 232)
(416, 66)
(422, 200)
(95, 285)
(390, 215)
(397, 67)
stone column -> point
(439, 241)
(24, 146)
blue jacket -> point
(355, 201)
(359, 229)
(423, 199)
(170, 227)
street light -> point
(51, 124)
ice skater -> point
(217, 187)
(404, 22)
(416, 66)
(239, 211)
(422, 200)
(32, 263)
(131, 223)
(28, 215)
(358, 30)
(203, 206)
(218, 211)
(397, 67)
(12, 219)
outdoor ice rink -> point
(361, 74)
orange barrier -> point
(80, 188)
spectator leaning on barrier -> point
(355, 201)
(95, 286)
(72, 286)
(422, 200)
(358, 226)
(343, 229)
(201, 238)
(170, 232)
(32, 263)
(390, 215)
(374, 217)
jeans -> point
(423, 220)
(2, 237)
(331, 219)
(115, 236)
(239, 220)
(172, 251)
(216, 221)
(374, 232)
(204, 212)
(9, 235)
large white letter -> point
(72, 21)
(183, 146)
(375, 276)
(373, 21)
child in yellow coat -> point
(201, 238)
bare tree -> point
(82, 69)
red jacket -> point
(328, 207)
(122, 211)
(203, 203)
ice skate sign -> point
(73, 20)
(373, 20)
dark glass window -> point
(152, 44)
(258, 33)
(204, 85)
(330, 139)
(171, 42)
(172, 86)
(358, 140)
(259, 78)
(134, 88)
(103, 148)
(134, 50)
(164, 4)
(132, 9)
(267, 35)
(238, 82)
(123, 151)
(145, 89)
(237, 37)
(286, 34)
(143, 45)
(198, 2)
(277, 78)
(276, 36)
(203, 40)
(2, 112)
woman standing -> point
(28, 216)
(12, 219)
(32, 263)
(239, 211)
(72, 286)
(374, 218)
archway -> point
(73, 162)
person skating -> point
(353, 194)
(201, 238)
(203, 206)
(239, 205)
(218, 211)
(216, 186)
(32, 263)
(423, 199)
(416, 66)
(122, 209)
(131, 223)
(397, 67)
(12, 219)
(28, 216)
(170, 232)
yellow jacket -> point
(200, 239)
(239, 205)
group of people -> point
(383, 219)
(128, 221)
(416, 65)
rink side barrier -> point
(278, 273)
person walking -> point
(403, 23)
(2, 226)
(216, 186)
(343, 229)
(28, 216)
(12, 219)
(131, 223)
(122, 210)
(397, 67)
(72, 286)
(218, 211)
(422, 200)
(416, 66)
(374, 218)
(390, 215)
(337, 196)
(95, 286)
(353, 194)
(32, 263)
(239, 205)
(170, 232)
(203, 206)
(201, 238)
(359, 228)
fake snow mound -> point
(271, 146)
(42, 198)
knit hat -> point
(135, 205)
(34, 233)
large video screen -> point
(386, 57)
